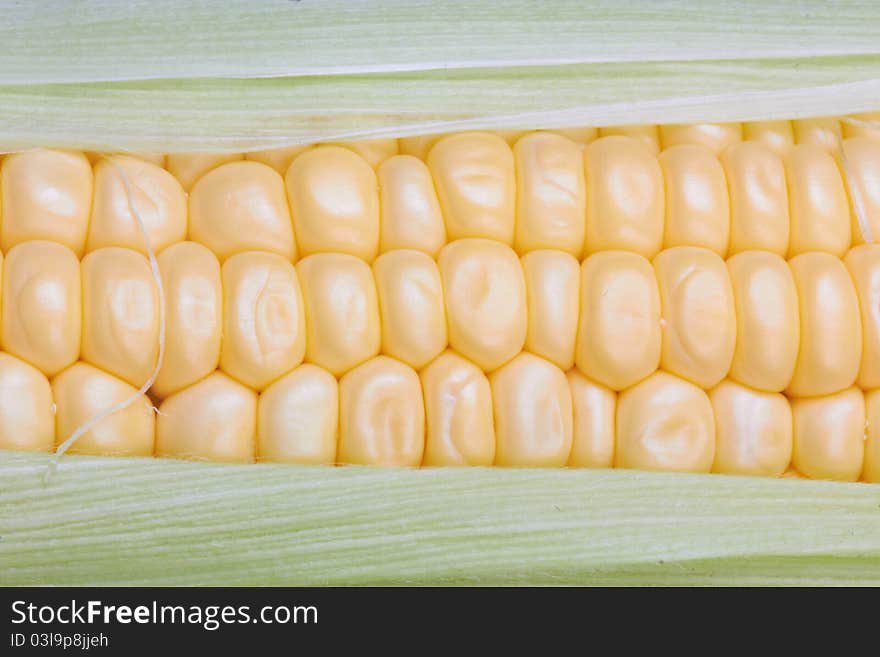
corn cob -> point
(429, 307)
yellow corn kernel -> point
(27, 420)
(381, 415)
(625, 201)
(824, 132)
(831, 329)
(120, 331)
(778, 136)
(125, 185)
(193, 315)
(298, 416)
(863, 263)
(697, 205)
(42, 305)
(753, 431)
(411, 306)
(767, 320)
(241, 206)
(533, 413)
(373, 151)
(758, 199)
(334, 199)
(550, 194)
(458, 413)
(829, 435)
(46, 195)
(665, 423)
(214, 420)
(648, 135)
(188, 168)
(714, 136)
(342, 308)
(411, 217)
(578, 135)
(476, 183)
(593, 406)
(80, 393)
(279, 159)
(871, 469)
(696, 297)
(264, 330)
(553, 299)
(866, 124)
(619, 334)
(818, 202)
(485, 294)
(420, 145)
(862, 171)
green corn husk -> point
(104, 40)
(133, 77)
(220, 115)
(119, 521)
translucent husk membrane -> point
(132, 78)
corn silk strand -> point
(81, 430)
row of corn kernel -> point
(778, 135)
(536, 197)
(825, 132)
(527, 413)
(808, 326)
(477, 257)
(604, 328)
(539, 196)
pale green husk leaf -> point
(236, 115)
(108, 40)
(118, 521)
(170, 76)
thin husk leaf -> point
(172, 76)
(233, 115)
(120, 521)
(106, 40)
